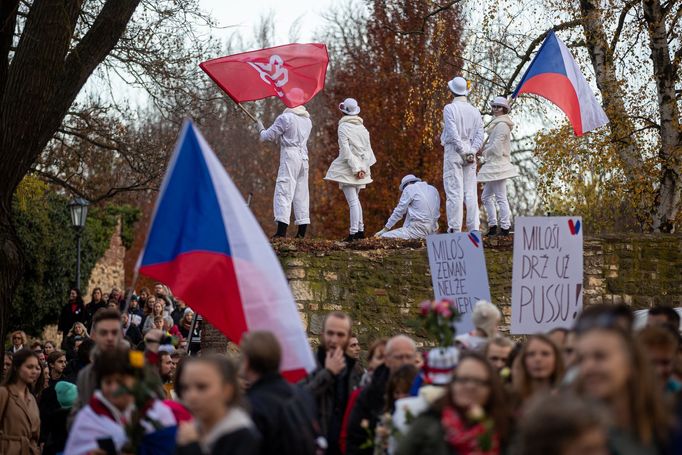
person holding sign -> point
(351, 169)
(498, 168)
(462, 137)
(420, 205)
(291, 131)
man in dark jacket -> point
(131, 332)
(335, 377)
(284, 414)
(400, 350)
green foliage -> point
(43, 225)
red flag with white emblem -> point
(294, 73)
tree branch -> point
(8, 22)
(531, 47)
(425, 20)
(621, 22)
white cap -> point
(409, 178)
(458, 86)
(500, 101)
(350, 106)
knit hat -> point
(187, 310)
(440, 364)
(66, 394)
(485, 317)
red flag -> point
(294, 73)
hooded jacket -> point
(290, 130)
(355, 153)
(497, 152)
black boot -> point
(492, 230)
(281, 230)
(350, 238)
(301, 231)
(359, 235)
(505, 232)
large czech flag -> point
(554, 74)
(205, 244)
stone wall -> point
(109, 270)
(381, 284)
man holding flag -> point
(291, 130)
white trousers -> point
(411, 231)
(460, 188)
(292, 187)
(497, 192)
(352, 194)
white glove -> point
(379, 234)
(260, 126)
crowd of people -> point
(464, 145)
(601, 387)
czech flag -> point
(554, 74)
(206, 245)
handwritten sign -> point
(458, 272)
(547, 278)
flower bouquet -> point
(439, 320)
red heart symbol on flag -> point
(571, 226)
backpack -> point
(298, 430)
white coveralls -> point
(291, 131)
(462, 134)
(420, 204)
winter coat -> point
(133, 334)
(419, 204)
(19, 423)
(53, 418)
(497, 152)
(331, 393)
(234, 435)
(369, 406)
(267, 397)
(425, 437)
(68, 318)
(90, 310)
(355, 154)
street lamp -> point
(79, 212)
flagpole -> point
(255, 120)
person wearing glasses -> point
(471, 418)
(19, 341)
(497, 168)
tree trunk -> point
(11, 263)
(43, 78)
(670, 185)
(601, 55)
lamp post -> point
(79, 212)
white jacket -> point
(497, 152)
(355, 153)
(462, 129)
(421, 203)
(290, 130)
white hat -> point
(458, 86)
(409, 178)
(500, 101)
(350, 106)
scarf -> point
(465, 440)
(298, 110)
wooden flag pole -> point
(247, 112)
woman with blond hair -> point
(77, 330)
(19, 341)
(538, 368)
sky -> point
(245, 14)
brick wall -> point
(381, 286)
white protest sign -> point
(547, 278)
(458, 272)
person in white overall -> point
(462, 137)
(291, 130)
(420, 205)
(351, 170)
(498, 168)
